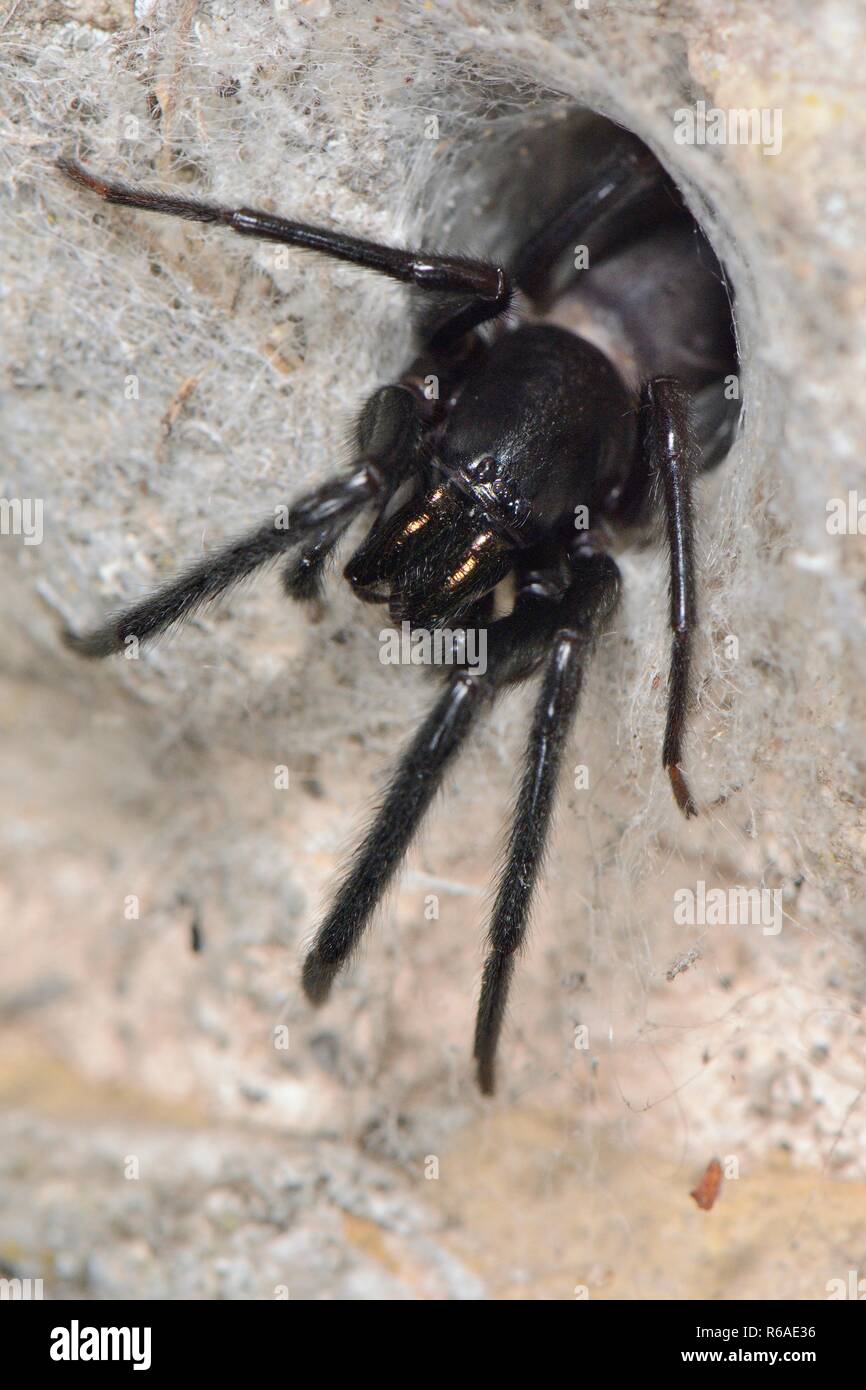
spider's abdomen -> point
(544, 423)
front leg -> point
(313, 514)
(669, 455)
(474, 291)
(390, 433)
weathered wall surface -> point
(162, 385)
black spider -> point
(530, 423)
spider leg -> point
(412, 789)
(304, 576)
(485, 289)
(584, 610)
(388, 436)
(515, 646)
(626, 194)
(390, 432)
(216, 573)
(668, 445)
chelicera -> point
(481, 481)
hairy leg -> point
(390, 432)
(388, 436)
(584, 610)
(214, 575)
(515, 646)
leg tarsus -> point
(681, 790)
(678, 701)
(495, 984)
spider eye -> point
(482, 470)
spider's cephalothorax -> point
(532, 426)
(542, 424)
